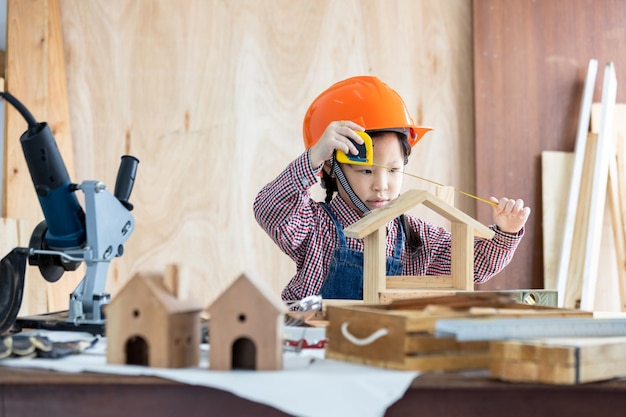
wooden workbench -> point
(27, 392)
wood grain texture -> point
(35, 75)
(556, 171)
(612, 281)
(530, 60)
(559, 360)
(210, 97)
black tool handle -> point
(126, 179)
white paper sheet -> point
(339, 388)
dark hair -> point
(413, 240)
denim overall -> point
(345, 274)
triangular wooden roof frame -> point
(372, 228)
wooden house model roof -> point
(142, 284)
(379, 218)
(243, 284)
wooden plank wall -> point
(530, 62)
(35, 75)
(210, 96)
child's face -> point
(374, 185)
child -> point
(311, 233)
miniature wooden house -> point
(246, 327)
(146, 324)
(377, 287)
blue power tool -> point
(69, 235)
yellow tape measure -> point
(366, 152)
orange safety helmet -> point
(366, 101)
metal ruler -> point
(534, 297)
(529, 328)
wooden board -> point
(556, 168)
(616, 196)
(530, 62)
(559, 360)
(557, 171)
(574, 181)
(210, 97)
(35, 75)
(605, 151)
(573, 288)
(449, 361)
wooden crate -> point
(400, 335)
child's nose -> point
(381, 180)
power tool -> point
(69, 235)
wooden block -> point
(513, 350)
(171, 279)
(449, 361)
(514, 371)
(391, 295)
(462, 256)
(556, 172)
(374, 264)
(426, 343)
(443, 360)
(445, 193)
(559, 360)
(414, 282)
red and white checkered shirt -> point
(305, 232)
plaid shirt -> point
(304, 231)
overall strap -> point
(333, 217)
(397, 251)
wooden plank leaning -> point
(606, 147)
(572, 201)
(616, 191)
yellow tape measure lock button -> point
(366, 152)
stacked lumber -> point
(559, 360)
(574, 219)
(401, 335)
(616, 192)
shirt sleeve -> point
(490, 255)
(283, 209)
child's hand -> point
(510, 215)
(335, 137)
